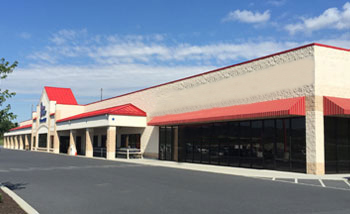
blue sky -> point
(122, 46)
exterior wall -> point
(27, 122)
(332, 72)
(240, 84)
(63, 111)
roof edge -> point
(222, 68)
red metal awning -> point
(336, 106)
(21, 127)
(127, 109)
(267, 109)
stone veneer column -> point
(315, 158)
(72, 148)
(56, 143)
(89, 133)
(5, 143)
(20, 142)
(111, 141)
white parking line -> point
(296, 180)
(321, 182)
(347, 182)
(273, 178)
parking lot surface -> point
(63, 184)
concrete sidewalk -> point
(257, 173)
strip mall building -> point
(287, 111)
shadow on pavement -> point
(12, 186)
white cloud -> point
(332, 18)
(122, 64)
(247, 16)
(25, 35)
(277, 3)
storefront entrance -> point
(42, 140)
(270, 144)
(64, 144)
(337, 144)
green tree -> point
(6, 116)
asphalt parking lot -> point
(63, 184)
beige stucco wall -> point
(282, 76)
(333, 72)
(63, 111)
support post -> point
(26, 142)
(72, 148)
(89, 133)
(20, 142)
(48, 140)
(16, 142)
(56, 143)
(111, 141)
(315, 157)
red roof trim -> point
(21, 127)
(230, 66)
(127, 109)
(336, 106)
(61, 95)
(267, 109)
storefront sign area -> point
(42, 113)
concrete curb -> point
(24, 205)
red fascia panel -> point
(336, 106)
(127, 109)
(22, 127)
(267, 109)
(61, 95)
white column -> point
(72, 148)
(111, 141)
(20, 142)
(89, 134)
(26, 141)
(56, 143)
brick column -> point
(72, 148)
(20, 142)
(89, 134)
(315, 157)
(56, 143)
(111, 141)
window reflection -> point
(271, 143)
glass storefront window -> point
(271, 143)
